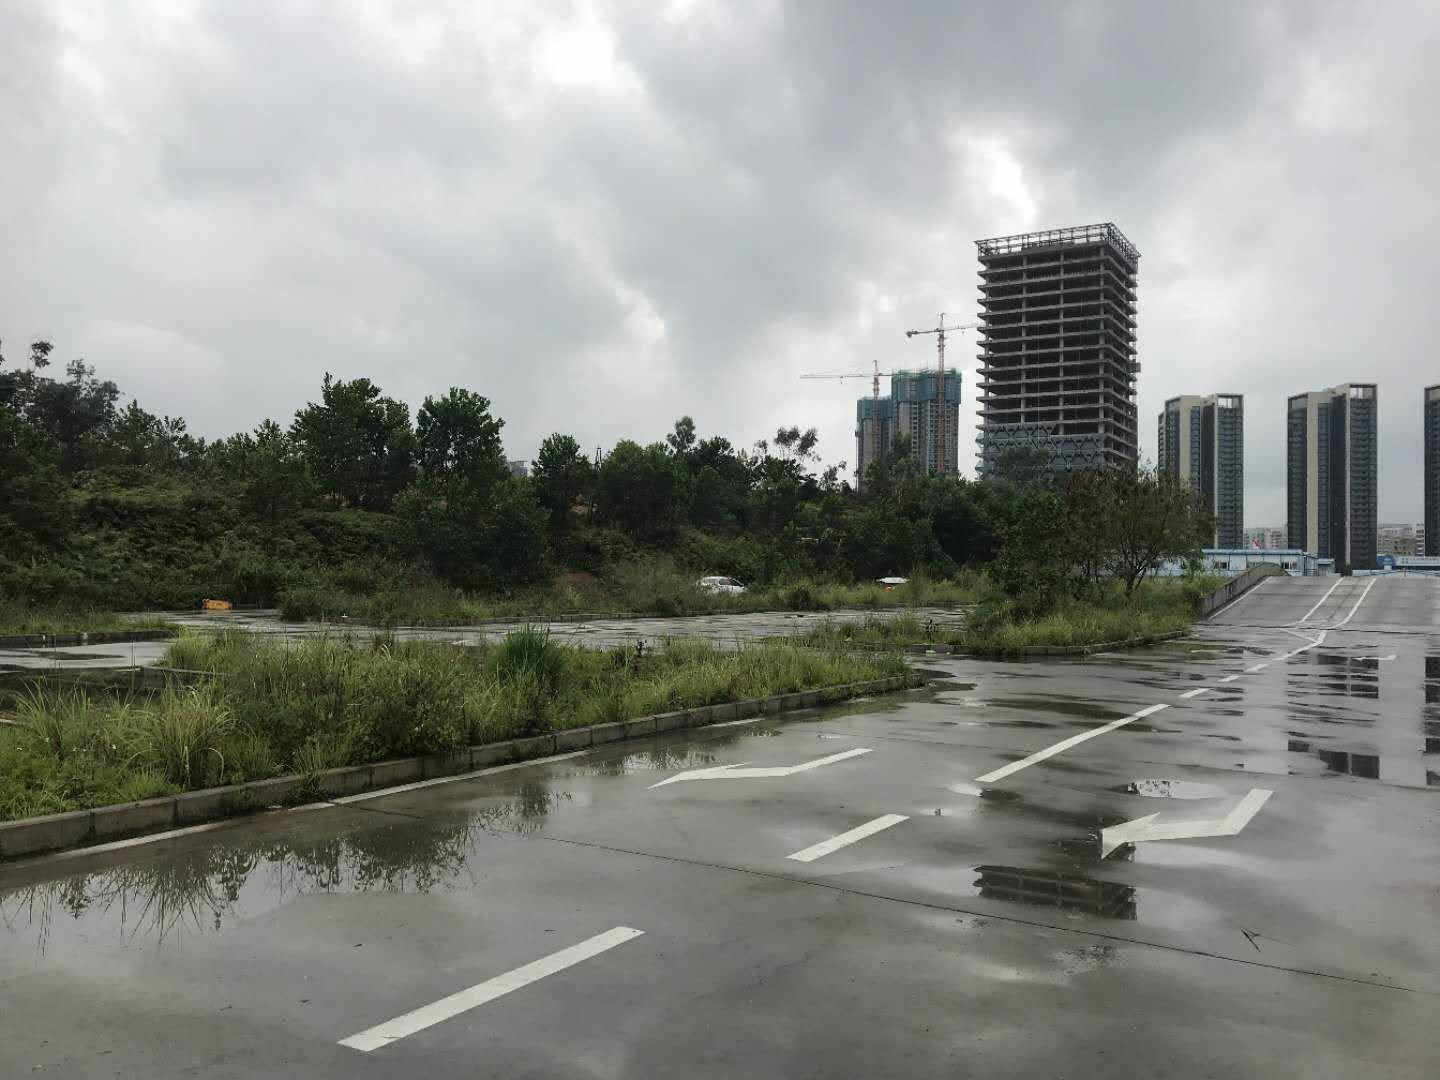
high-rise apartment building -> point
(1202, 441)
(1057, 363)
(912, 411)
(1331, 473)
(1432, 470)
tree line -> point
(76, 467)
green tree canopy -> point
(357, 442)
(457, 436)
(562, 476)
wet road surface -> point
(907, 887)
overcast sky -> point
(603, 216)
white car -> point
(891, 582)
(719, 585)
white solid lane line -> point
(845, 839)
(1363, 593)
(1066, 744)
(1230, 678)
(1322, 600)
(477, 995)
(1256, 667)
(1196, 692)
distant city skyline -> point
(680, 209)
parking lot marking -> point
(1065, 744)
(739, 772)
(845, 839)
(1322, 600)
(487, 991)
(1076, 740)
(1148, 828)
(1363, 593)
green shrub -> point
(180, 734)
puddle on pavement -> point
(1049, 888)
(199, 889)
(1084, 709)
(1337, 676)
(1171, 789)
(1365, 766)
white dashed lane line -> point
(481, 993)
(845, 839)
(1104, 729)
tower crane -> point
(940, 330)
(875, 377)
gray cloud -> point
(605, 215)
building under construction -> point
(1057, 360)
(910, 412)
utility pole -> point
(938, 455)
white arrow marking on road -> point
(739, 772)
(1147, 828)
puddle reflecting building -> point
(1047, 888)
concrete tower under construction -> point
(1057, 363)
(912, 410)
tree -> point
(562, 475)
(457, 436)
(642, 489)
(275, 476)
(74, 416)
(358, 443)
(1035, 567)
(682, 440)
(1124, 523)
(33, 507)
(477, 536)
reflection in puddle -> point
(1338, 675)
(1172, 789)
(1046, 888)
(1366, 766)
(198, 889)
(661, 756)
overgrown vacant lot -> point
(996, 626)
(654, 587)
(270, 710)
(20, 618)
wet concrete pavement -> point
(975, 930)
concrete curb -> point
(82, 828)
(99, 637)
(140, 677)
(1043, 650)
